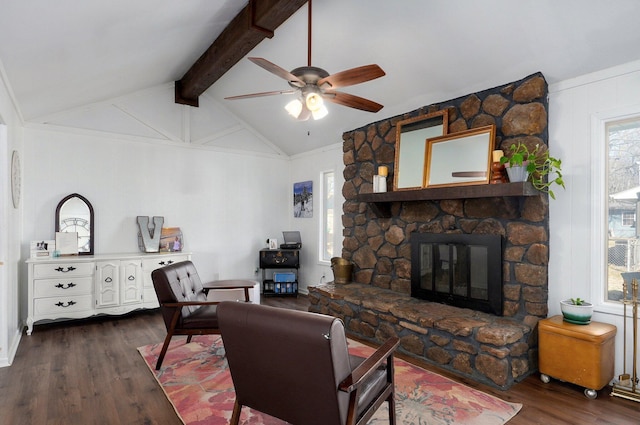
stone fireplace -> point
(379, 228)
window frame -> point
(599, 206)
(323, 236)
(628, 219)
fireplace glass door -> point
(462, 270)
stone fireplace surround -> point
(498, 351)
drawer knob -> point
(131, 277)
(108, 280)
(67, 286)
(68, 304)
(63, 270)
(165, 263)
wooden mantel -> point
(380, 203)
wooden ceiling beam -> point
(257, 21)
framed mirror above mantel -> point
(380, 203)
(411, 137)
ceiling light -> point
(314, 102)
(320, 112)
(294, 108)
(312, 106)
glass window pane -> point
(328, 212)
(623, 185)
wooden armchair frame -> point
(184, 302)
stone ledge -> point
(498, 351)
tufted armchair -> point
(296, 366)
(183, 302)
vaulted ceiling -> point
(86, 63)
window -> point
(628, 219)
(328, 212)
(623, 190)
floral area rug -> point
(196, 380)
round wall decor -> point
(16, 183)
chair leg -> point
(167, 340)
(392, 408)
(235, 416)
(189, 338)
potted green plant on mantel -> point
(537, 165)
(576, 311)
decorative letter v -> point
(150, 236)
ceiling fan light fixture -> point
(314, 101)
(320, 113)
(312, 84)
(294, 108)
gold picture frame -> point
(409, 165)
(460, 159)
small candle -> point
(383, 170)
(497, 154)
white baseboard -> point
(11, 352)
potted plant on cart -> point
(536, 165)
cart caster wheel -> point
(590, 394)
(545, 378)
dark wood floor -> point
(89, 372)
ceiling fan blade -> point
(352, 101)
(353, 76)
(266, 93)
(280, 72)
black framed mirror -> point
(75, 214)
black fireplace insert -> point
(456, 269)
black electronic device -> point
(291, 240)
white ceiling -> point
(64, 54)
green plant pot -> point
(577, 314)
(517, 173)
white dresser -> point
(87, 285)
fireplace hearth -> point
(462, 270)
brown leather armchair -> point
(295, 365)
(183, 301)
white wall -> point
(224, 203)
(305, 167)
(10, 227)
(576, 222)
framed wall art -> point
(303, 199)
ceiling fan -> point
(312, 84)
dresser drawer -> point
(64, 286)
(150, 264)
(62, 269)
(59, 306)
